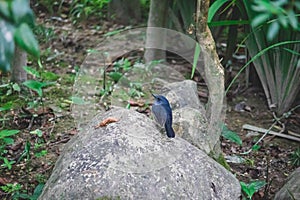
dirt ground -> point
(68, 48)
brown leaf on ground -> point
(73, 132)
(136, 103)
(3, 181)
(17, 145)
(106, 121)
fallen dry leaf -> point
(135, 103)
(107, 121)
(3, 181)
(73, 132)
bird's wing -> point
(160, 114)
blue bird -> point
(163, 113)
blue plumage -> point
(163, 113)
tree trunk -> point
(20, 59)
(156, 36)
(214, 75)
(125, 12)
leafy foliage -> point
(82, 9)
(11, 188)
(250, 188)
(44, 34)
(37, 86)
(230, 135)
(295, 157)
(24, 37)
(36, 193)
(278, 66)
(182, 17)
(16, 17)
(6, 139)
(274, 50)
(279, 13)
(224, 19)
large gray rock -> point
(291, 190)
(189, 120)
(131, 159)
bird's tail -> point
(169, 130)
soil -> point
(66, 50)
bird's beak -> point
(154, 95)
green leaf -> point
(273, 30)
(230, 135)
(37, 86)
(49, 76)
(16, 87)
(293, 19)
(24, 37)
(21, 12)
(6, 133)
(292, 51)
(41, 153)
(259, 8)
(4, 10)
(31, 71)
(257, 184)
(37, 132)
(18, 195)
(27, 150)
(111, 33)
(283, 20)
(252, 187)
(255, 147)
(8, 163)
(214, 8)
(7, 45)
(115, 76)
(297, 4)
(6, 106)
(195, 60)
(249, 191)
(8, 140)
(228, 23)
(38, 190)
(5, 85)
(260, 19)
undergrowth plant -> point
(250, 188)
(273, 44)
(5, 140)
(231, 135)
(120, 67)
(44, 34)
(23, 195)
(82, 9)
(11, 93)
(295, 157)
(38, 85)
(279, 67)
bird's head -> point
(159, 99)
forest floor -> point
(64, 47)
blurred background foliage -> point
(260, 24)
(275, 28)
(16, 21)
